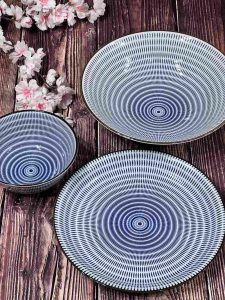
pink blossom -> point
(51, 77)
(59, 14)
(3, 7)
(45, 5)
(44, 90)
(98, 10)
(65, 93)
(1, 33)
(23, 73)
(19, 50)
(15, 11)
(71, 16)
(53, 99)
(31, 10)
(82, 10)
(77, 2)
(31, 96)
(23, 105)
(44, 21)
(33, 61)
(28, 91)
(93, 16)
(26, 22)
(27, 2)
(26, 72)
(5, 47)
(43, 105)
(61, 80)
(99, 7)
(39, 52)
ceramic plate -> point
(139, 220)
(157, 87)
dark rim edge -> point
(151, 290)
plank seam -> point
(209, 294)
(95, 292)
(53, 280)
(2, 211)
(175, 6)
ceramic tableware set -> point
(132, 220)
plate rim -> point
(127, 136)
(133, 290)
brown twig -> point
(6, 18)
(8, 44)
(43, 79)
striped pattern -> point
(157, 87)
(139, 220)
(35, 148)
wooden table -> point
(32, 265)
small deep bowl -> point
(36, 149)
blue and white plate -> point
(157, 87)
(36, 149)
(139, 220)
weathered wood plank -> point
(8, 75)
(8, 71)
(206, 20)
(33, 264)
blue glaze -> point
(139, 220)
(35, 148)
(157, 87)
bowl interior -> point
(158, 87)
(35, 147)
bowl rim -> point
(58, 175)
(125, 135)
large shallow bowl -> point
(36, 149)
(139, 220)
(157, 87)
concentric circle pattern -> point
(157, 87)
(139, 220)
(35, 147)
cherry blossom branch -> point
(8, 44)
(55, 92)
(50, 87)
(46, 14)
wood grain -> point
(8, 76)
(8, 71)
(32, 264)
(206, 20)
